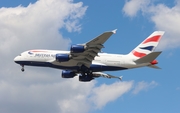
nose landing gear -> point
(22, 69)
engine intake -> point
(68, 74)
(77, 48)
(62, 57)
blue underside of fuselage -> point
(94, 68)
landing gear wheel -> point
(22, 69)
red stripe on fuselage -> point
(138, 54)
(152, 39)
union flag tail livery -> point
(85, 61)
(148, 45)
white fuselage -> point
(102, 62)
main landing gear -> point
(22, 69)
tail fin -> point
(148, 45)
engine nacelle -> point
(85, 78)
(62, 57)
(68, 74)
(77, 48)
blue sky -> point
(142, 90)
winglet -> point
(114, 31)
(121, 78)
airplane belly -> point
(105, 68)
(68, 63)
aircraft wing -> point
(92, 48)
(100, 74)
(101, 39)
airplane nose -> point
(16, 59)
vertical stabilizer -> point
(148, 45)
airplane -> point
(87, 61)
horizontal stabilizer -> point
(154, 66)
(148, 58)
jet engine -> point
(62, 57)
(68, 74)
(77, 48)
(85, 78)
